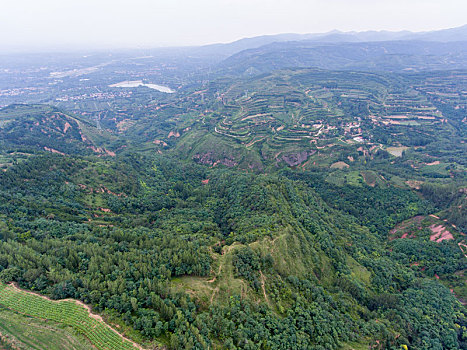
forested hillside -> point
(32, 128)
(199, 257)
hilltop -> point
(34, 128)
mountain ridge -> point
(47, 128)
(442, 35)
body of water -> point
(136, 83)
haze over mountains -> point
(368, 50)
(336, 36)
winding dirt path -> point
(273, 244)
(263, 286)
(214, 292)
(212, 280)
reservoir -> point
(136, 83)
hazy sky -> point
(36, 24)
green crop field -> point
(66, 312)
(23, 332)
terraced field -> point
(300, 108)
(307, 117)
(277, 115)
(68, 312)
(19, 331)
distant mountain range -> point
(335, 36)
(367, 51)
(399, 55)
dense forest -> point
(139, 234)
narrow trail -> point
(215, 290)
(243, 290)
(463, 244)
(224, 251)
(273, 243)
(80, 303)
(212, 280)
(263, 287)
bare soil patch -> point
(440, 233)
(406, 226)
